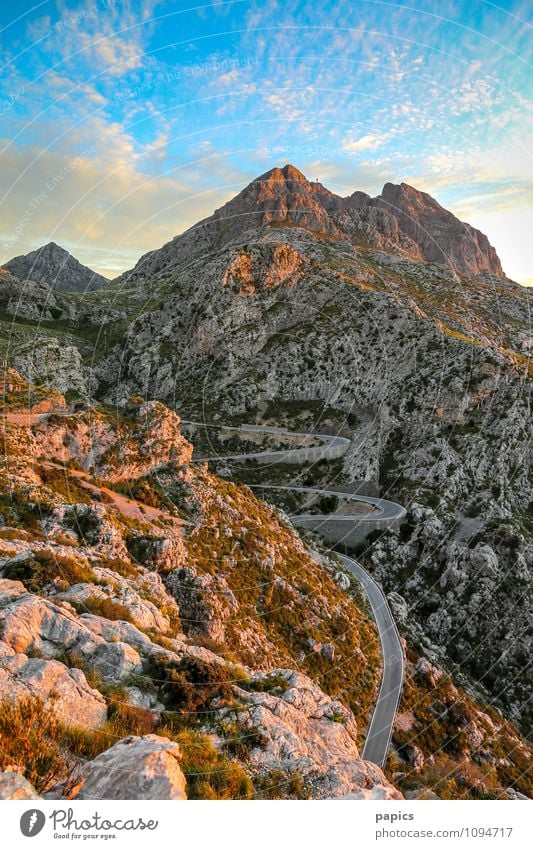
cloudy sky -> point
(123, 123)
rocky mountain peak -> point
(289, 173)
(401, 220)
(56, 267)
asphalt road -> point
(379, 733)
(380, 730)
(329, 445)
(383, 510)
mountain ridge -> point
(401, 218)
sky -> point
(123, 123)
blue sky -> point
(123, 123)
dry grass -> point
(31, 739)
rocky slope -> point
(433, 369)
(56, 268)
(164, 634)
(167, 617)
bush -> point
(106, 607)
(31, 738)
(123, 720)
(275, 684)
(189, 686)
(279, 785)
(209, 774)
(43, 567)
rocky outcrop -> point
(55, 267)
(64, 690)
(54, 364)
(116, 450)
(302, 730)
(438, 235)
(134, 768)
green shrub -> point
(106, 607)
(272, 683)
(189, 685)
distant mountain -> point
(401, 219)
(54, 266)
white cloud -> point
(370, 141)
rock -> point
(426, 670)
(142, 612)
(32, 622)
(511, 793)
(15, 786)
(64, 690)
(206, 602)
(327, 650)
(381, 792)
(54, 364)
(117, 631)
(399, 608)
(422, 793)
(342, 580)
(415, 757)
(484, 560)
(402, 217)
(134, 768)
(116, 661)
(438, 235)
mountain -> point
(400, 219)
(190, 610)
(55, 267)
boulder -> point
(115, 661)
(342, 580)
(65, 691)
(30, 622)
(134, 768)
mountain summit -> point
(401, 219)
(53, 265)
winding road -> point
(383, 512)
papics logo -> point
(32, 822)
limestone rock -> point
(134, 768)
(54, 266)
(306, 731)
(64, 690)
(116, 661)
